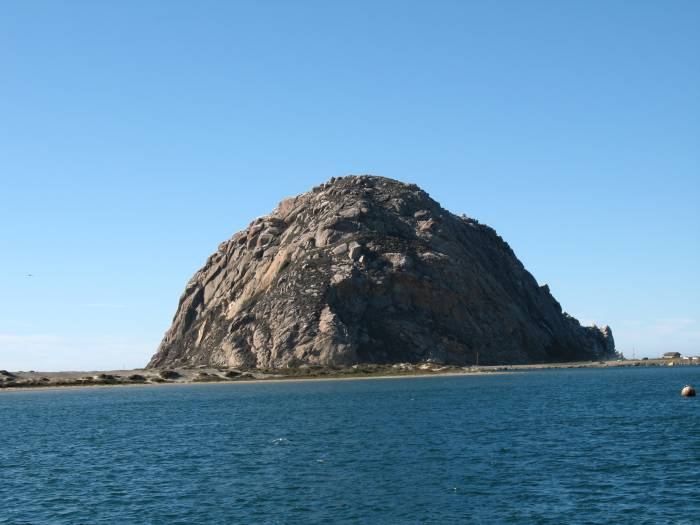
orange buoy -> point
(688, 391)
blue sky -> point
(136, 136)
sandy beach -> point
(22, 380)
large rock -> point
(368, 269)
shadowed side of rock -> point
(369, 269)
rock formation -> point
(368, 269)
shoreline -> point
(19, 381)
(285, 379)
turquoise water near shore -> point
(552, 446)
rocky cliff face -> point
(368, 269)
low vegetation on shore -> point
(203, 374)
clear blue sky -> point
(136, 136)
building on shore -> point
(672, 355)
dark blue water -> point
(565, 446)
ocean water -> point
(553, 446)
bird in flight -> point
(30, 275)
